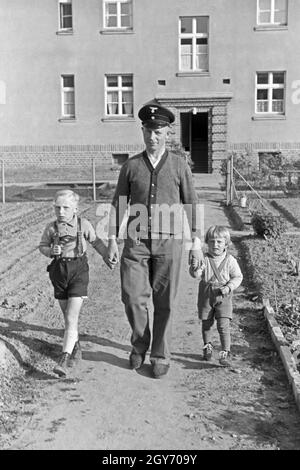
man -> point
(155, 184)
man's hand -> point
(196, 255)
(112, 255)
(195, 258)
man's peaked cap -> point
(153, 114)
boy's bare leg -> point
(71, 316)
(71, 309)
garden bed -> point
(274, 279)
(289, 208)
(241, 216)
(271, 267)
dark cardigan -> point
(151, 190)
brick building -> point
(74, 73)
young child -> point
(64, 240)
(219, 275)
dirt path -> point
(105, 405)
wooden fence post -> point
(94, 178)
(3, 181)
(229, 181)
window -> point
(117, 14)
(272, 12)
(68, 96)
(270, 92)
(119, 158)
(65, 15)
(193, 43)
(119, 95)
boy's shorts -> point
(69, 276)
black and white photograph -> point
(150, 228)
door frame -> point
(215, 104)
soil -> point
(272, 264)
(103, 404)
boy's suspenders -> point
(217, 270)
(56, 239)
(79, 248)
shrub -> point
(268, 225)
(270, 160)
(176, 148)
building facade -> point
(74, 73)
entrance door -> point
(194, 138)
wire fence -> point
(39, 178)
(240, 189)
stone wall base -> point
(290, 151)
(64, 155)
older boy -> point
(64, 240)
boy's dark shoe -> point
(207, 352)
(224, 358)
(136, 360)
(159, 369)
(61, 368)
(76, 355)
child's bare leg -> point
(71, 316)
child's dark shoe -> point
(224, 358)
(207, 352)
(61, 368)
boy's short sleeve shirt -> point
(67, 232)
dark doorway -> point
(194, 139)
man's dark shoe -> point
(159, 370)
(61, 368)
(136, 360)
(76, 355)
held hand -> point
(56, 250)
(195, 273)
(195, 258)
(112, 255)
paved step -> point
(208, 180)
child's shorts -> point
(69, 276)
